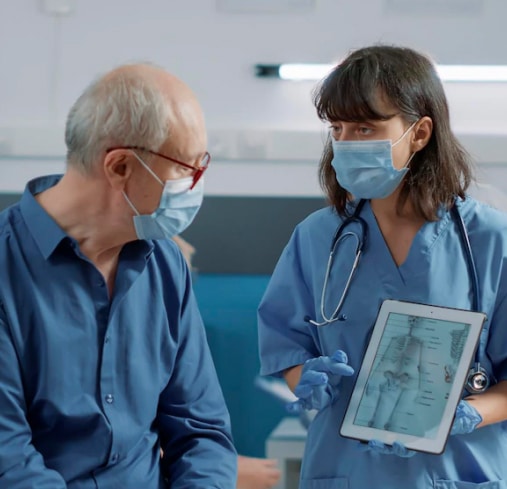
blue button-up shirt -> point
(92, 386)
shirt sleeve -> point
(21, 465)
(193, 418)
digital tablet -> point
(413, 374)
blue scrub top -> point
(435, 272)
(92, 386)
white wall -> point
(46, 62)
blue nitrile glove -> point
(397, 448)
(318, 386)
(466, 419)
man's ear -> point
(422, 133)
(117, 168)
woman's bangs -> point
(344, 97)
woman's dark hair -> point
(408, 81)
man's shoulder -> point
(168, 256)
(166, 248)
(9, 219)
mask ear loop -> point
(404, 134)
(152, 173)
(129, 202)
(400, 138)
(409, 160)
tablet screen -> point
(412, 375)
(402, 393)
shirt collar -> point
(44, 230)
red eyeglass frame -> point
(198, 172)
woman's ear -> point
(422, 133)
(117, 168)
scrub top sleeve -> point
(285, 339)
(21, 465)
(193, 419)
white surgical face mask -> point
(177, 208)
(365, 168)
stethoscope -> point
(478, 379)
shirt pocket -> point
(446, 484)
(334, 483)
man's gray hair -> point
(126, 109)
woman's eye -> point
(365, 131)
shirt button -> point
(109, 399)
(114, 458)
(106, 339)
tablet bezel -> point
(413, 442)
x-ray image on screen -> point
(412, 375)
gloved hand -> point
(466, 419)
(397, 448)
(320, 377)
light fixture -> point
(472, 73)
(447, 73)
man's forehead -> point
(187, 144)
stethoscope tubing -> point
(361, 244)
(337, 237)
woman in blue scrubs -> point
(390, 147)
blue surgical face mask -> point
(365, 168)
(177, 208)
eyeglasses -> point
(197, 173)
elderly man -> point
(103, 355)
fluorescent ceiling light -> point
(304, 71)
(448, 73)
(472, 73)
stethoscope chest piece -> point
(477, 380)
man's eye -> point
(183, 170)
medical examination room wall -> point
(263, 133)
(264, 137)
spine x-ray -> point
(412, 375)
